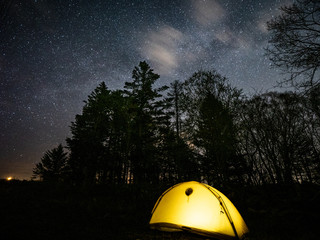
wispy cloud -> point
(207, 12)
(161, 48)
(233, 39)
(212, 16)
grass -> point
(38, 210)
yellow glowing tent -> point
(198, 208)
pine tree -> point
(52, 167)
(147, 110)
(99, 138)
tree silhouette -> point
(216, 137)
(52, 166)
(208, 103)
(148, 117)
(294, 45)
(174, 96)
(99, 138)
(276, 139)
(183, 162)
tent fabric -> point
(198, 208)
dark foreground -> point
(35, 210)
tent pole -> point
(159, 199)
(226, 211)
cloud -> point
(212, 17)
(262, 23)
(269, 14)
(161, 49)
(224, 36)
(232, 39)
(207, 12)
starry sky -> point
(53, 53)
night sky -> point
(54, 53)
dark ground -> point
(36, 210)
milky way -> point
(54, 53)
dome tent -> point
(198, 208)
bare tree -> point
(277, 139)
(294, 45)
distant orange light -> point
(9, 178)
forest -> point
(200, 129)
